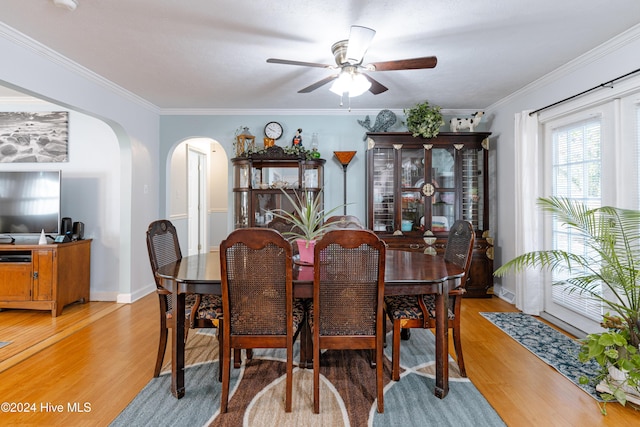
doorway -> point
(198, 192)
(196, 200)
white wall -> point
(31, 68)
(90, 190)
(617, 57)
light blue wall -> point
(335, 133)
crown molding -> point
(268, 112)
(50, 55)
(291, 112)
(618, 42)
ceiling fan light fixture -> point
(359, 41)
(354, 84)
(70, 5)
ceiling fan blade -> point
(359, 41)
(376, 87)
(405, 64)
(303, 64)
(318, 84)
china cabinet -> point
(417, 188)
(260, 178)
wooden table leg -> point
(306, 347)
(177, 345)
(442, 342)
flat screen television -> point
(29, 202)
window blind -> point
(577, 174)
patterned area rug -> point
(552, 347)
(347, 391)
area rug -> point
(552, 347)
(4, 343)
(347, 392)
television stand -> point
(45, 277)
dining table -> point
(406, 273)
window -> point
(577, 174)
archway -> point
(216, 205)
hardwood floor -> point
(104, 362)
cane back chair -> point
(345, 221)
(411, 311)
(348, 295)
(257, 299)
(202, 311)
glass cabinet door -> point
(444, 182)
(241, 209)
(383, 205)
(473, 197)
(312, 175)
(241, 176)
(412, 167)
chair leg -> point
(220, 347)
(162, 349)
(237, 358)
(289, 380)
(304, 336)
(316, 378)
(379, 377)
(225, 361)
(457, 343)
(395, 352)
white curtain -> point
(528, 230)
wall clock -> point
(273, 130)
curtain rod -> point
(606, 84)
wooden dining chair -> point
(419, 311)
(348, 293)
(202, 311)
(345, 221)
(257, 299)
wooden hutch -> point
(417, 188)
(260, 178)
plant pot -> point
(305, 249)
(617, 379)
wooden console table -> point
(44, 277)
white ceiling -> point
(211, 54)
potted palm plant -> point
(608, 273)
(308, 222)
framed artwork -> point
(34, 137)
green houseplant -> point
(424, 120)
(308, 221)
(610, 274)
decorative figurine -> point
(384, 120)
(297, 139)
(470, 123)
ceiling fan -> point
(350, 76)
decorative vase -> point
(43, 238)
(305, 249)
